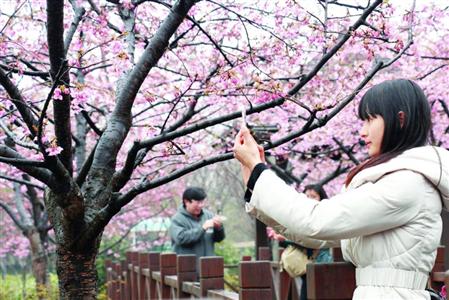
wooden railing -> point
(154, 275)
(168, 276)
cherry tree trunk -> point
(77, 273)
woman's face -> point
(312, 194)
(372, 133)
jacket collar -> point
(431, 162)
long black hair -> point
(387, 100)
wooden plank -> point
(262, 240)
(330, 281)
(144, 263)
(255, 294)
(211, 284)
(264, 253)
(446, 280)
(167, 267)
(132, 258)
(222, 294)
(156, 276)
(124, 292)
(438, 276)
(337, 254)
(439, 260)
(247, 272)
(211, 266)
(154, 266)
(186, 263)
(117, 283)
(171, 280)
(186, 271)
(192, 288)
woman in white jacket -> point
(387, 218)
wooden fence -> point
(154, 275)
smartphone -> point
(243, 116)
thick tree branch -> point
(33, 168)
(22, 181)
(13, 217)
(58, 63)
(287, 174)
(136, 154)
(91, 123)
(18, 101)
(120, 120)
(301, 83)
(18, 199)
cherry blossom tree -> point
(105, 104)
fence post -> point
(154, 266)
(109, 278)
(167, 267)
(438, 267)
(123, 275)
(330, 281)
(255, 280)
(132, 258)
(246, 258)
(337, 255)
(186, 271)
(144, 263)
(117, 267)
(286, 283)
(264, 253)
(446, 282)
(211, 274)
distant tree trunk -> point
(39, 264)
(77, 273)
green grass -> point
(12, 287)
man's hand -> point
(218, 221)
(208, 224)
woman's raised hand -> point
(247, 152)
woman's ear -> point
(401, 116)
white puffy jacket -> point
(387, 221)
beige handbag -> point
(294, 261)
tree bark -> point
(39, 263)
(77, 273)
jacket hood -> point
(431, 162)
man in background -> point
(194, 229)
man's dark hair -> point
(193, 193)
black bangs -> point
(405, 111)
(387, 100)
(369, 106)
